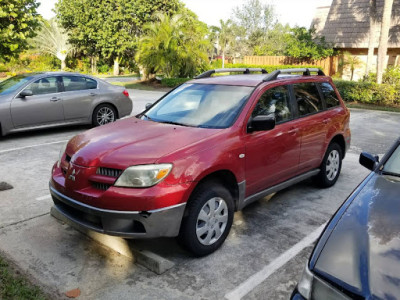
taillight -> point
(125, 92)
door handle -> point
(326, 121)
(293, 131)
(55, 99)
(93, 94)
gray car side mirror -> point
(26, 93)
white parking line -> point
(43, 198)
(32, 146)
(253, 281)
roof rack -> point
(306, 72)
(239, 70)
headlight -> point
(305, 284)
(60, 155)
(143, 175)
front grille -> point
(101, 186)
(108, 172)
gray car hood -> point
(363, 251)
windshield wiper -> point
(147, 116)
(173, 123)
(390, 173)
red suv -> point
(204, 150)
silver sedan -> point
(39, 100)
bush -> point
(368, 92)
(173, 82)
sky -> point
(293, 12)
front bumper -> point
(164, 222)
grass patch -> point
(148, 85)
(372, 107)
(118, 76)
(14, 286)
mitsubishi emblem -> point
(72, 175)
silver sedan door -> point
(43, 107)
(79, 94)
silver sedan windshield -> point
(12, 84)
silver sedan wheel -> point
(332, 164)
(105, 115)
(212, 221)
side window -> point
(76, 83)
(274, 101)
(307, 97)
(47, 85)
(330, 96)
(91, 84)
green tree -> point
(18, 22)
(175, 46)
(302, 44)
(109, 28)
(53, 40)
(252, 23)
(225, 38)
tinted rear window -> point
(330, 96)
(308, 98)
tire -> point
(330, 166)
(104, 114)
(203, 228)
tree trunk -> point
(383, 40)
(372, 30)
(93, 64)
(223, 59)
(116, 66)
(63, 65)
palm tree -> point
(383, 40)
(225, 38)
(171, 46)
(372, 31)
(53, 40)
(352, 61)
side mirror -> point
(368, 160)
(261, 123)
(148, 105)
(26, 93)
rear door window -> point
(78, 83)
(307, 98)
(331, 99)
(274, 101)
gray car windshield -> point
(200, 105)
(14, 83)
(392, 165)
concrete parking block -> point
(146, 258)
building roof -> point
(347, 25)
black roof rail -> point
(239, 70)
(306, 72)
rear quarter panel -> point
(112, 94)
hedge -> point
(368, 92)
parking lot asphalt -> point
(262, 258)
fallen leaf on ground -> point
(73, 293)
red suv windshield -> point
(201, 105)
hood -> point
(130, 142)
(363, 251)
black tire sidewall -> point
(323, 179)
(187, 236)
(94, 116)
